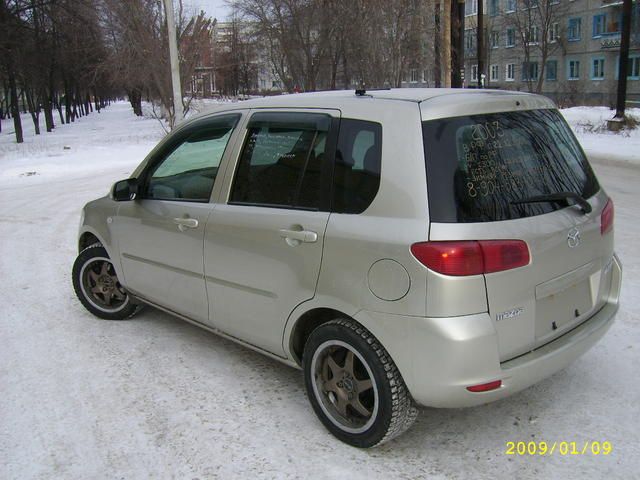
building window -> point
(510, 72)
(634, 68)
(551, 70)
(495, 39)
(494, 7)
(511, 37)
(554, 32)
(425, 75)
(469, 37)
(532, 35)
(474, 73)
(597, 69)
(574, 32)
(573, 71)
(471, 7)
(633, 72)
(599, 24)
(511, 6)
(530, 71)
(606, 24)
(495, 73)
(413, 75)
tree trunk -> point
(33, 111)
(15, 112)
(624, 60)
(135, 99)
(48, 115)
(59, 108)
(24, 102)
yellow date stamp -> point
(542, 448)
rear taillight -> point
(606, 218)
(471, 257)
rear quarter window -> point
(356, 175)
(477, 166)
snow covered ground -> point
(155, 397)
(589, 124)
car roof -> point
(328, 98)
(441, 101)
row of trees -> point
(49, 53)
(327, 44)
(68, 58)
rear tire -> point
(98, 288)
(354, 386)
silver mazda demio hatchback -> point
(433, 247)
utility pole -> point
(437, 48)
(446, 42)
(457, 42)
(480, 40)
(178, 112)
(618, 121)
(450, 28)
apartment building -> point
(569, 49)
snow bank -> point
(112, 138)
(601, 145)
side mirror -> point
(125, 190)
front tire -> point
(354, 386)
(97, 286)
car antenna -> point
(361, 91)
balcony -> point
(610, 40)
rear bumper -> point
(440, 357)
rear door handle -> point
(305, 236)
(184, 223)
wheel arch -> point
(86, 239)
(89, 236)
(306, 323)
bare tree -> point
(325, 43)
(538, 24)
(139, 59)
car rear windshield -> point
(479, 165)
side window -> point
(356, 176)
(190, 168)
(282, 160)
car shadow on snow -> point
(441, 431)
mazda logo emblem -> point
(573, 238)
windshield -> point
(478, 166)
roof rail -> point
(361, 92)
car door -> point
(263, 246)
(160, 233)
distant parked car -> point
(432, 247)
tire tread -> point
(404, 410)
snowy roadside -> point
(113, 138)
(600, 145)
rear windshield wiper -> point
(558, 197)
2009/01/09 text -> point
(541, 448)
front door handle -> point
(184, 223)
(294, 237)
